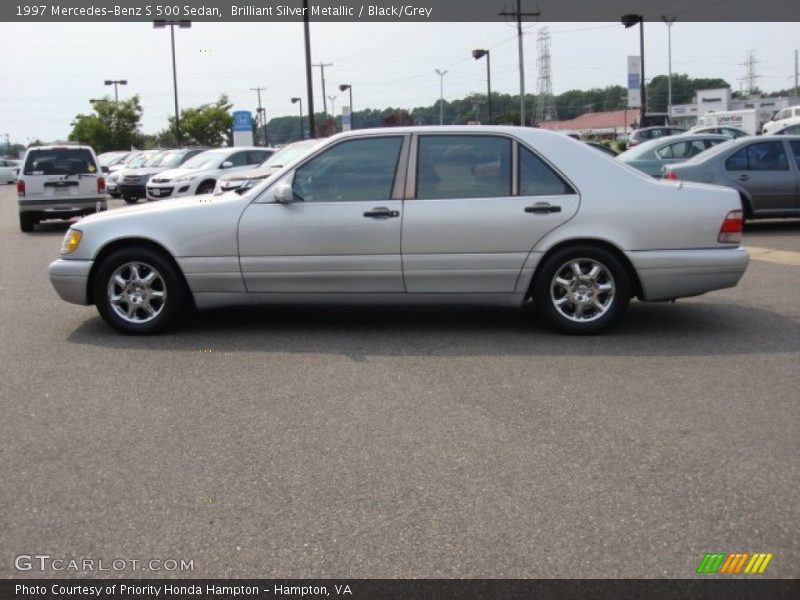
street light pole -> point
(441, 75)
(312, 129)
(183, 24)
(295, 101)
(346, 87)
(322, 76)
(629, 21)
(477, 54)
(669, 22)
(115, 83)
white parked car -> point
(481, 215)
(59, 182)
(783, 118)
(199, 175)
(8, 170)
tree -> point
(398, 118)
(113, 126)
(204, 125)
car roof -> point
(649, 145)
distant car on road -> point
(8, 170)
(728, 132)
(242, 181)
(788, 130)
(764, 170)
(59, 182)
(133, 181)
(199, 174)
(650, 133)
(497, 215)
(651, 157)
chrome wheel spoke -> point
(564, 283)
(120, 281)
(150, 278)
(605, 287)
(594, 272)
(582, 290)
(576, 269)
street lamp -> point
(183, 24)
(116, 83)
(441, 75)
(346, 87)
(629, 21)
(669, 22)
(478, 54)
(295, 101)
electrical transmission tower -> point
(749, 73)
(545, 102)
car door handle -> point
(743, 178)
(542, 208)
(381, 212)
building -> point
(606, 125)
(718, 100)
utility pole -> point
(312, 130)
(669, 21)
(261, 111)
(519, 14)
(441, 75)
(183, 24)
(322, 74)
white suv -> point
(783, 118)
(59, 182)
(198, 175)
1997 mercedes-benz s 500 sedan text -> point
(497, 215)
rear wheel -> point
(27, 221)
(582, 290)
(139, 291)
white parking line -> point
(782, 257)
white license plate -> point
(61, 191)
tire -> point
(142, 307)
(586, 305)
(26, 222)
(131, 199)
(207, 187)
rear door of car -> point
(60, 172)
(764, 170)
(476, 204)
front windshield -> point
(171, 159)
(286, 155)
(138, 161)
(154, 160)
(205, 160)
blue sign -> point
(242, 121)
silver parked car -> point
(651, 157)
(765, 171)
(493, 215)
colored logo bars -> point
(720, 562)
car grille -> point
(159, 180)
(132, 179)
(159, 192)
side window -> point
(355, 170)
(666, 152)
(767, 156)
(712, 143)
(796, 151)
(463, 166)
(238, 159)
(737, 161)
(536, 178)
(256, 157)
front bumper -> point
(670, 274)
(70, 278)
(127, 189)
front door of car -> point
(763, 169)
(478, 205)
(341, 231)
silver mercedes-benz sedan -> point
(494, 215)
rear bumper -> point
(670, 274)
(70, 279)
(64, 206)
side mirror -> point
(227, 164)
(283, 193)
(105, 170)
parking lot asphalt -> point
(399, 442)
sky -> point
(51, 70)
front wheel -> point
(582, 290)
(139, 291)
(207, 187)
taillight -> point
(671, 176)
(101, 185)
(20, 187)
(731, 230)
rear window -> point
(60, 161)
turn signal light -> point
(20, 187)
(731, 230)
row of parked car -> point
(764, 170)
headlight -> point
(71, 241)
(184, 179)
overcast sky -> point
(51, 70)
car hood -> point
(175, 173)
(149, 210)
